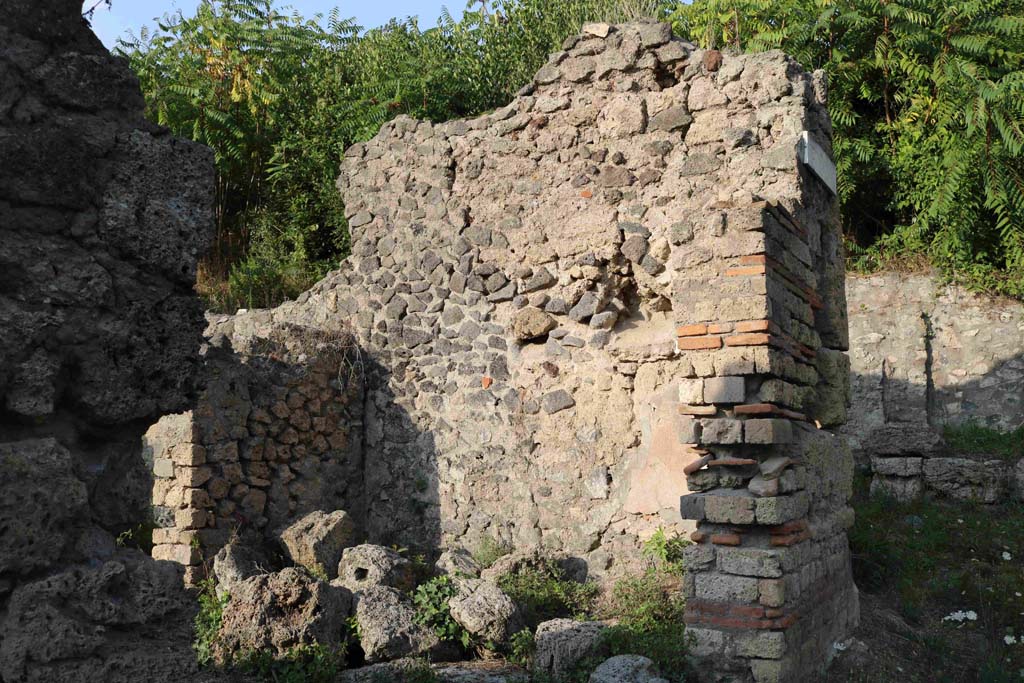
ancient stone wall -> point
(101, 219)
(566, 305)
(275, 433)
(925, 355)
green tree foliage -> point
(927, 102)
(278, 98)
(266, 91)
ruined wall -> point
(623, 277)
(925, 355)
(276, 432)
(101, 219)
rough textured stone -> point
(897, 467)
(457, 562)
(103, 218)
(484, 610)
(387, 629)
(557, 401)
(317, 540)
(93, 624)
(531, 323)
(363, 566)
(626, 669)
(275, 612)
(236, 562)
(561, 643)
(983, 481)
(42, 502)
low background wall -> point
(925, 355)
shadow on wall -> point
(922, 352)
(281, 429)
(899, 440)
(297, 419)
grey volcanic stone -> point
(456, 562)
(387, 626)
(626, 669)
(634, 248)
(316, 540)
(367, 565)
(108, 623)
(904, 439)
(42, 503)
(484, 610)
(561, 643)
(557, 401)
(275, 612)
(983, 481)
(587, 306)
(672, 119)
(236, 562)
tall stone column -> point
(761, 320)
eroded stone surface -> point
(276, 612)
(387, 626)
(484, 610)
(367, 565)
(561, 643)
(316, 541)
(103, 217)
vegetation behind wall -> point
(279, 98)
(927, 99)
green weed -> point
(302, 664)
(544, 592)
(206, 624)
(666, 550)
(489, 551)
(976, 439)
(431, 600)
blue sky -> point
(125, 15)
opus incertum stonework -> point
(614, 305)
(623, 289)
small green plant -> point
(543, 592)
(522, 645)
(431, 600)
(488, 552)
(301, 664)
(207, 621)
(319, 571)
(666, 550)
(650, 613)
(139, 536)
(352, 628)
(977, 439)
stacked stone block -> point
(769, 587)
(273, 436)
